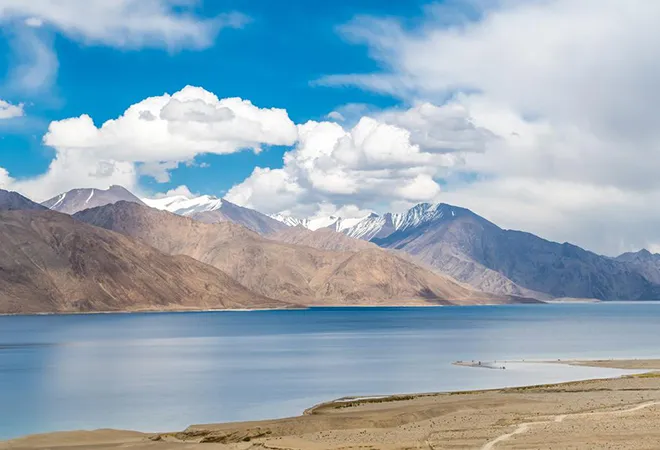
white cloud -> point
(34, 63)
(563, 98)
(351, 113)
(177, 191)
(176, 128)
(34, 22)
(335, 115)
(443, 129)
(10, 111)
(372, 164)
(152, 137)
(125, 24)
(71, 169)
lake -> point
(164, 371)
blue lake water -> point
(162, 372)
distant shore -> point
(580, 414)
(303, 307)
(150, 311)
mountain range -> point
(463, 245)
(291, 273)
(126, 256)
(79, 199)
(50, 262)
(211, 209)
(109, 250)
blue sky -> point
(273, 61)
(539, 115)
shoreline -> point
(149, 311)
(305, 308)
(485, 418)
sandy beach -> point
(617, 413)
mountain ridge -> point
(465, 246)
(13, 201)
(287, 272)
(76, 200)
(52, 263)
(209, 209)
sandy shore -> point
(618, 413)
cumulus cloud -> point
(445, 129)
(350, 113)
(561, 94)
(153, 137)
(335, 115)
(71, 169)
(176, 128)
(367, 166)
(182, 190)
(10, 111)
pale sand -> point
(619, 413)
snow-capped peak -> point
(183, 205)
(289, 220)
(374, 225)
(316, 223)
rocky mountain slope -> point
(50, 262)
(644, 262)
(452, 263)
(323, 239)
(459, 243)
(79, 199)
(470, 248)
(292, 273)
(211, 209)
(13, 201)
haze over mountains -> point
(119, 252)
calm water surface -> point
(158, 372)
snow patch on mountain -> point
(289, 221)
(375, 225)
(183, 205)
(77, 200)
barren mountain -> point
(50, 262)
(445, 259)
(209, 209)
(13, 201)
(468, 247)
(79, 199)
(323, 239)
(287, 272)
(644, 262)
